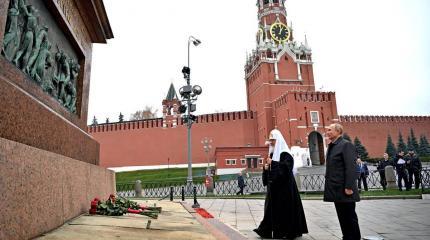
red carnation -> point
(134, 211)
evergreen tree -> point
(422, 150)
(121, 117)
(107, 120)
(401, 146)
(347, 137)
(390, 149)
(95, 121)
(361, 150)
(409, 144)
(414, 143)
(424, 147)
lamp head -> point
(197, 90)
(196, 42)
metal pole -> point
(196, 204)
(190, 171)
(182, 194)
(188, 63)
(207, 156)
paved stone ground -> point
(390, 219)
(174, 222)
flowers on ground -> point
(118, 206)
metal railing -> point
(305, 183)
(425, 180)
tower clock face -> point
(280, 32)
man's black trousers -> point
(348, 220)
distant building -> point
(281, 93)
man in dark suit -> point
(401, 171)
(381, 169)
(414, 169)
(362, 173)
(341, 181)
(240, 183)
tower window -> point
(314, 117)
(266, 1)
(275, 1)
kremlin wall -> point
(280, 90)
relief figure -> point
(22, 56)
(11, 37)
(62, 77)
(42, 35)
(42, 62)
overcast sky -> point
(375, 54)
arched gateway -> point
(316, 148)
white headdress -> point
(280, 145)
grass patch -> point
(391, 192)
(160, 175)
(172, 175)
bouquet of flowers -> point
(118, 206)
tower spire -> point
(171, 94)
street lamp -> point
(209, 180)
(207, 147)
(189, 95)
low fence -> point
(425, 180)
(305, 183)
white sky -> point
(374, 53)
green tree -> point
(347, 137)
(361, 149)
(409, 144)
(94, 121)
(121, 117)
(412, 142)
(424, 147)
(391, 148)
(401, 146)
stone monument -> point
(390, 177)
(48, 163)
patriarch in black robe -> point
(284, 217)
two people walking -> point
(284, 217)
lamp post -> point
(207, 147)
(209, 180)
(189, 95)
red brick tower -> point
(278, 64)
(280, 83)
(170, 108)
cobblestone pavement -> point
(389, 219)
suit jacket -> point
(340, 172)
(382, 164)
(365, 169)
(415, 163)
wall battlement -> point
(382, 119)
(305, 96)
(158, 122)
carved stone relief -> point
(35, 44)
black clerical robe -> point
(283, 211)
